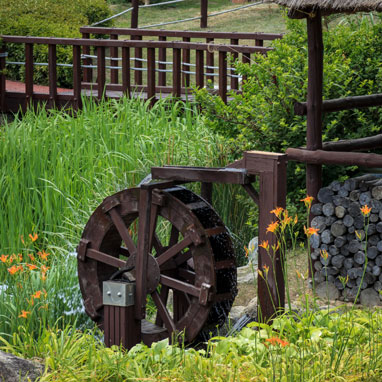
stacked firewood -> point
(347, 251)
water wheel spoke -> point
(123, 231)
(105, 258)
(174, 250)
(159, 248)
(174, 236)
(187, 275)
(163, 313)
(179, 285)
(163, 296)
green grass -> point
(262, 18)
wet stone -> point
(340, 211)
(316, 209)
(325, 195)
(370, 297)
(327, 290)
(365, 198)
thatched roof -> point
(333, 6)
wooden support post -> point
(143, 250)
(88, 72)
(126, 85)
(199, 69)
(223, 76)
(271, 167)
(101, 72)
(210, 62)
(186, 60)
(77, 103)
(134, 13)
(52, 68)
(162, 57)
(2, 78)
(314, 105)
(28, 75)
(206, 191)
(114, 61)
(151, 75)
(235, 56)
(176, 72)
(138, 78)
(203, 13)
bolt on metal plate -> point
(116, 293)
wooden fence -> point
(112, 67)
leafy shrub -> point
(262, 118)
(47, 18)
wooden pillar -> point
(52, 68)
(77, 77)
(88, 72)
(314, 101)
(271, 167)
(28, 75)
(134, 13)
(114, 63)
(203, 13)
(314, 106)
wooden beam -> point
(203, 13)
(134, 13)
(357, 144)
(320, 157)
(338, 104)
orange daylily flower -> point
(365, 210)
(266, 269)
(272, 227)
(264, 245)
(4, 258)
(37, 294)
(246, 251)
(296, 219)
(310, 231)
(307, 201)
(24, 314)
(31, 266)
(33, 237)
(44, 255)
(44, 268)
(22, 239)
(13, 269)
(277, 211)
(277, 341)
(31, 257)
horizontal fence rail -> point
(112, 68)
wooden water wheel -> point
(190, 279)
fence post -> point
(137, 63)
(52, 68)
(176, 69)
(210, 61)
(134, 13)
(28, 74)
(77, 102)
(126, 85)
(223, 76)
(162, 57)
(235, 56)
(203, 13)
(101, 72)
(151, 75)
(88, 72)
(199, 69)
(186, 60)
(114, 61)
(3, 56)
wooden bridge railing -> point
(103, 85)
(228, 38)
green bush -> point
(47, 18)
(262, 117)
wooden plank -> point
(77, 102)
(162, 57)
(179, 285)
(223, 76)
(151, 75)
(106, 325)
(126, 84)
(101, 72)
(138, 78)
(203, 13)
(176, 73)
(181, 33)
(28, 74)
(206, 191)
(366, 143)
(320, 157)
(164, 314)
(174, 250)
(199, 69)
(52, 68)
(201, 174)
(105, 258)
(114, 63)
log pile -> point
(348, 243)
